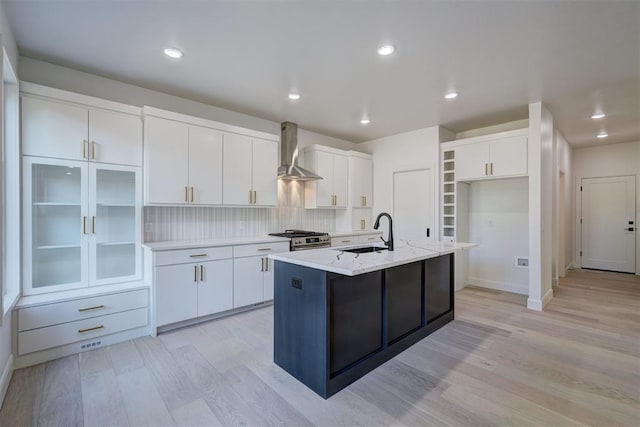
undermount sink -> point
(365, 249)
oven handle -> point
(305, 248)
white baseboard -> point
(498, 286)
(7, 372)
(538, 305)
(547, 297)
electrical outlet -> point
(522, 262)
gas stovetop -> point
(298, 233)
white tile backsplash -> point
(190, 222)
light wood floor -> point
(577, 363)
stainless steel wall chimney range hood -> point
(289, 169)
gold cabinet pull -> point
(346, 241)
(261, 264)
(186, 194)
(255, 197)
(362, 224)
(250, 196)
(364, 200)
(191, 194)
(195, 273)
(201, 272)
(82, 331)
(491, 168)
(91, 308)
(93, 150)
(266, 264)
(84, 225)
(197, 255)
(486, 168)
(85, 144)
(264, 249)
(93, 224)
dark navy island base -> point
(331, 329)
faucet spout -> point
(376, 225)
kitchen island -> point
(338, 314)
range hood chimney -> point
(289, 169)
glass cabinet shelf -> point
(56, 246)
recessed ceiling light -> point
(451, 95)
(602, 135)
(598, 116)
(294, 96)
(386, 49)
(172, 52)
(365, 121)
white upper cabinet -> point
(54, 129)
(64, 130)
(115, 138)
(249, 171)
(491, 159)
(183, 163)
(236, 175)
(166, 161)
(205, 166)
(361, 180)
(333, 166)
(192, 161)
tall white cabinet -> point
(81, 194)
(82, 284)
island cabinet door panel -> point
(248, 281)
(355, 318)
(438, 278)
(215, 286)
(176, 293)
(404, 300)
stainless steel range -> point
(302, 240)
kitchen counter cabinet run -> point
(331, 329)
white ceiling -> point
(246, 56)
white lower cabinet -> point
(56, 324)
(253, 273)
(192, 283)
(186, 290)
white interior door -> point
(609, 223)
(413, 205)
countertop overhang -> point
(336, 260)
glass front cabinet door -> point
(82, 224)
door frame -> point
(577, 262)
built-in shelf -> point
(115, 243)
(54, 204)
(448, 211)
(45, 247)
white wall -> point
(5, 327)
(419, 149)
(499, 223)
(603, 161)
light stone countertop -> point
(336, 260)
(207, 243)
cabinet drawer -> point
(344, 240)
(69, 311)
(183, 256)
(260, 249)
(66, 333)
(369, 238)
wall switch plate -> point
(522, 262)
